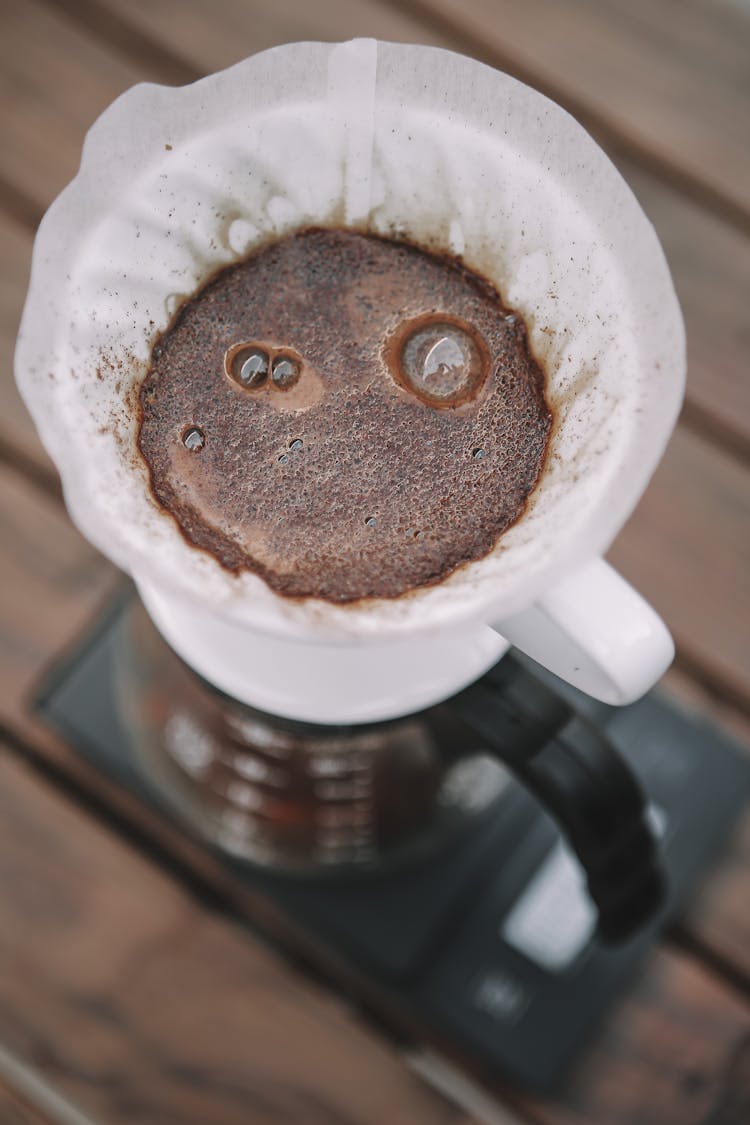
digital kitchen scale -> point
(487, 951)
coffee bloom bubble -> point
(441, 362)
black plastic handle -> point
(570, 766)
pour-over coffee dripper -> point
(426, 145)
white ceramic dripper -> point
(395, 139)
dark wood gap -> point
(679, 937)
(613, 139)
(168, 67)
(714, 430)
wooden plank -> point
(206, 40)
(138, 1004)
(18, 437)
(686, 548)
(710, 261)
(701, 702)
(58, 77)
(60, 590)
(667, 80)
(645, 551)
(717, 918)
(54, 80)
(51, 582)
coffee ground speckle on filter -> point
(406, 441)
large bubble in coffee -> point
(442, 362)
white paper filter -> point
(417, 141)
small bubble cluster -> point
(294, 445)
(250, 365)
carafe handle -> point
(581, 780)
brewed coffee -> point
(346, 415)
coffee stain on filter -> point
(382, 489)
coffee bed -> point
(131, 988)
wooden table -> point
(129, 990)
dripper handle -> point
(581, 780)
(596, 632)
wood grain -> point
(60, 596)
(716, 502)
(51, 582)
(234, 31)
(123, 989)
(18, 438)
(60, 592)
(717, 919)
(686, 548)
(140, 1005)
(715, 922)
(677, 1051)
(710, 264)
(143, 1007)
(54, 81)
(710, 261)
(667, 81)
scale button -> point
(501, 996)
(553, 919)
